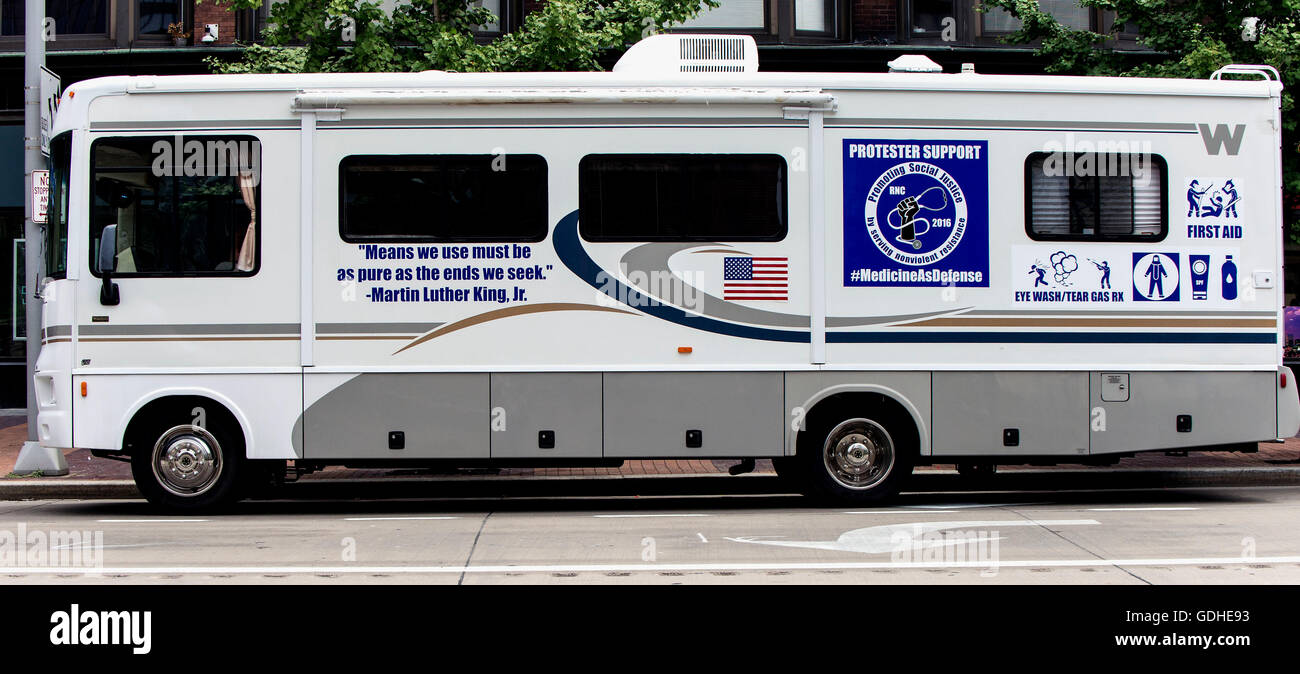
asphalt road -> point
(1095, 536)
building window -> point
(155, 15)
(1095, 196)
(190, 211)
(779, 21)
(1068, 12)
(931, 17)
(682, 197)
(733, 16)
(71, 17)
(433, 198)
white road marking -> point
(74, 546)
(1110, 510)
(391, 518)
(702, 538)
(945, 506)
(888, 537)
(658, 515)
(147, 521)
(893, 512)
(602, 568)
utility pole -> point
(33, 456)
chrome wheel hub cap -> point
(187, 460)
(859, 454)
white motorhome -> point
(852, 274)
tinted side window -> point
(1095, 197)
(183, 205)
(682, 197)
(432, 198)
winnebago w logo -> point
(1221, 137)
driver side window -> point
(184, 205)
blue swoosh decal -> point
(571, 252)
(575, 257)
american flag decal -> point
(755, 278)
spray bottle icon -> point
(1229, 279)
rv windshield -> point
(56, 230)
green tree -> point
(358, 36)
(1191, 38)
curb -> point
(684, 484)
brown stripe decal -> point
(508, 312)
(1096, 322)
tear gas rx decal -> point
(916, 213)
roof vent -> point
(666, 54)
(914, 63)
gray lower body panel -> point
(565, 405)
(736, 413)
(1224, 407)
(441, 416)
(1046, 412)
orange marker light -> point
(83, 389)
(684, 349)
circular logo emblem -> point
(1199, 266)
(916, 213)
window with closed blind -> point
(1095, 197)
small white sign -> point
(50, 90)
(40, 196)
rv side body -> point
(561, 347)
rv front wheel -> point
(187, 468)
(859, 460)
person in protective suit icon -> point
(1157, 273)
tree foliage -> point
(359, 36)
(1191, 38)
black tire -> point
(182, 467)
(855, 459)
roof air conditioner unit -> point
(673, 53)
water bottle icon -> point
(1229, 279)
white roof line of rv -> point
(685, 95)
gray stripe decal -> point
(205, 329)
(375, 328)
(201, 124)
(1047, 125)
(58, 331)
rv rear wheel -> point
(186, 467)
(856, 460)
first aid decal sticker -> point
(916, 213)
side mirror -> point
(107, 263)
